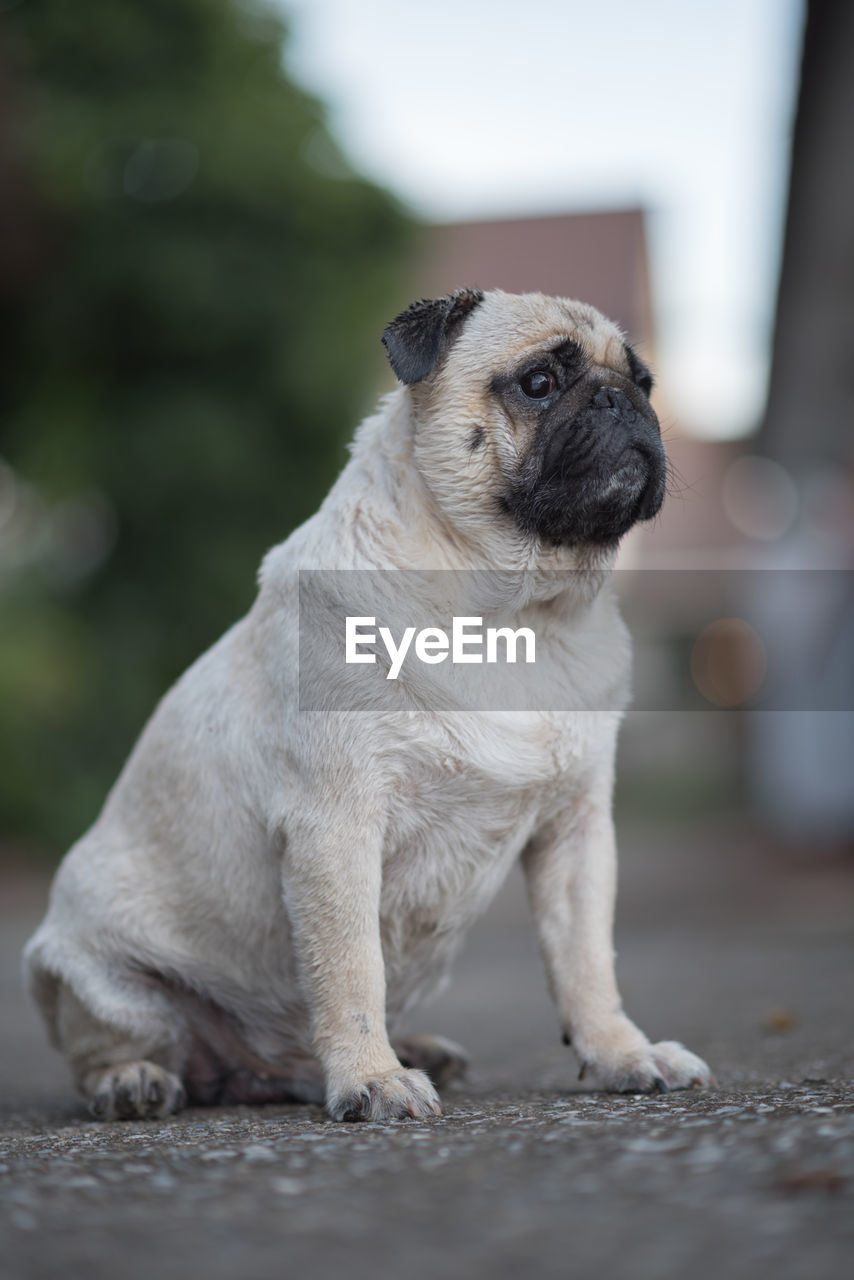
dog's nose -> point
(612, 398)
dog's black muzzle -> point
(592, 475)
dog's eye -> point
(538, 384)
(645, 383)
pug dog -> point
(268, 888)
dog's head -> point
(532, 411)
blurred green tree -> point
(179, 374)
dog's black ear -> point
(414, 339)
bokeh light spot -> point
(728, 662)
(82, 533)
(7, 495)
(160, 169)
(759, 497)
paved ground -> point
(746, 956)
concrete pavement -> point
(746, 956)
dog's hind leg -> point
(122, 1076)
(440, 1059)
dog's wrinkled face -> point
(533, 410)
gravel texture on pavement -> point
(744, 955)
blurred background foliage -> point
(190, 331)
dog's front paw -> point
(394, 1095)
(134, 1091)
(654, 1068)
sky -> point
(504, 108)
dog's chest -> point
(467, 795)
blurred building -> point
(600, 257)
